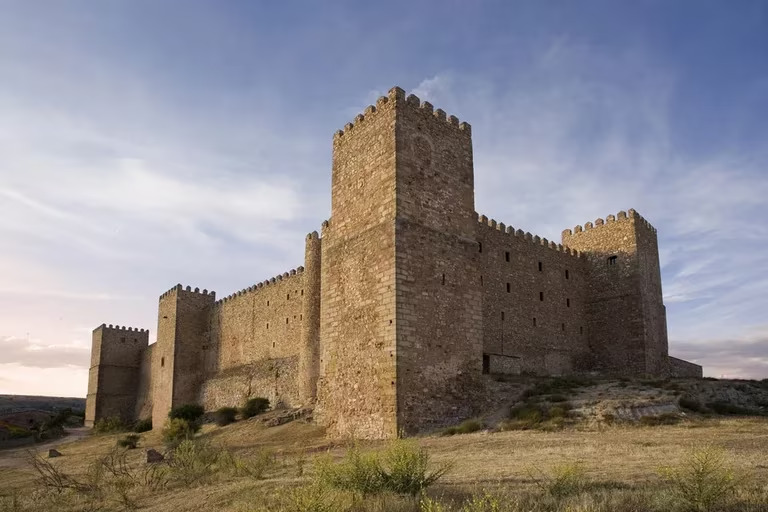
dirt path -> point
(15, 457)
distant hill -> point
(18, 403)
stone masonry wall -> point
(143, 408)
(255, 344)
(356, 388)
(681, 368)
(534, 300)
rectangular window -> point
(480, 246)
(502, 316)
(563, 326)
(566, 274)
(612, 260)
(443, 282)
(534, 321)
(541, 266)
(509, 287)
(506, 255)
(288, 297)
(581, 330)
(541, 296)
(481, 280)
(567, 303)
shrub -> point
(190, 412)
(728, 408)
(130, 441)
(537, 416)
(193, 462)
(108, 425)
(358, 473)
(178, 430)
(144, 425)
(254, 467)
(691, 404)
(225, 415)
(254, 406)
(406, 469)
(564, 480)
(314, 498)
(702, 481)
(465, 427)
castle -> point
(405, 299)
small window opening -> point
(567, 303)
(486, 364)
(509, 287)
(502, 316)
(301, 317)
(567, 276)
(443, 282)
(122, 340)
(302, 293)
(267, 303)
(612, 260)
(541, 296)
(562, 326)
(288, 297)
(267, 325)
(581, 330)
(534, 321)
(162, 362)
(541, 267)
(286, 320)
(481, 280)
(480, 246)
(135, 340)
(506, 255)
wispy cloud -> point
(33, 354)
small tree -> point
(189, 412)
(254, 406)
(225, 416)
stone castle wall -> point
(534, 300)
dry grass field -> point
(581, 466)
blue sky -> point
(145, 143)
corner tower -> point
(626, 317)
(182, 338)
(116, 354)
(398, 268)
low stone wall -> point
(275, 379)
(682, 368)
(505, 365)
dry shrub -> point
(178, 430)
(702, 481)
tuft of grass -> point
(130, 441)
(177, 430)
(564, 480)
(465, 427)
(144, 425)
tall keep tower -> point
(401, 329)
(626, 317)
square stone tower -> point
(401, 328)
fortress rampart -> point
(407, 296)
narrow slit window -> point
(267, 303)
(481, 280)
(541, 296)
(502, 316)
(581, 330)
(162, 362)
(567, 276)
(541, 266)
(480, 246)
(288, 297)
(267, 325)
(534, 321)
(302, 293)
(286, 320)
(567, 303)
(562, 326)
(443, 280)
(506, 255)
(509, 288)
(612, 259)
(273, 344)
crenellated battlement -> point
(276, 279)
(526, 236)
(121, 328)
(630, 215)
(187, 289)
(396, 94)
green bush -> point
(109, 425)
(189, 412)
(465, 427)
(691, 404)
(193, 462)
(225, 415)
(406, 469)
(177, 430)
(564, 480)
(254, 406)
(702, 481)
(144, 425)
(358, 473)
(130, 441)
(530, 415)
